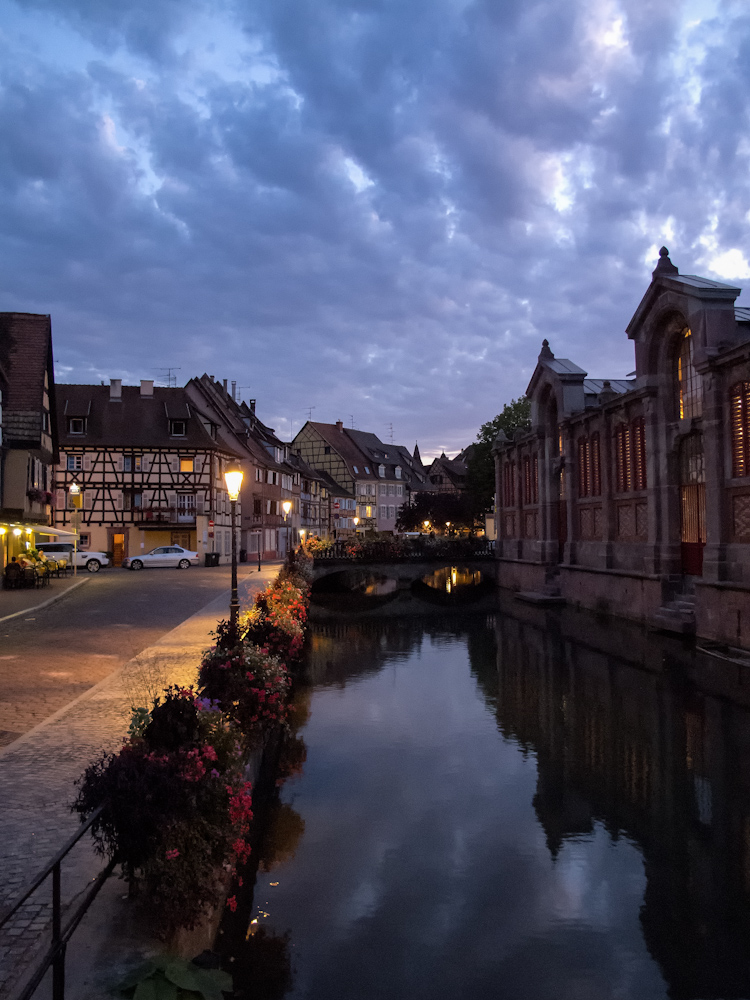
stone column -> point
(717, 513)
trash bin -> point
(212, 559)
(243, 555)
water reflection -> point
(453, 579)
(494, 807)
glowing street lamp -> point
(356, 522)
(76, 501)
(286, 507)
(233, 479)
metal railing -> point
(411, 551)
(55, 955)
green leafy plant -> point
(175, 979)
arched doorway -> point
(692, 504)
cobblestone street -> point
(85, 710)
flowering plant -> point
(248, 683)
(177, 808)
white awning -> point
(62, 532)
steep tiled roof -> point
(135, 421)
(345, 445)
(25, 351)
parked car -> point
(92, 561)
(163, 555)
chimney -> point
(225, 385)
(340, 426)
(234, 390)
(147, 387)
(115, 389)
(252, 406)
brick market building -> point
(633, 496)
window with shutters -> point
(527, 491)
(75, 463)
(584, 467)
(596, 474)
(689, 382)
(187, 465)
(740, 419)
(638, 450)
(623, 465)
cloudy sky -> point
(376, 208)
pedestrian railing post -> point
(58, 964)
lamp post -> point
(356, 522)
(448, 526)
(233, 479)
(75, 502)
(286, 507)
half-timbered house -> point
(150, 466)
(28, 431)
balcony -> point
(151, 517)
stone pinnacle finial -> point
(664, 264)
(545, 351)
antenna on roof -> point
(351, 417)
(169, 378)
(390, 431)
(309, 412)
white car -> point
(163, 555)
(92, 561)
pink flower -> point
(171, 855)
(232, 903)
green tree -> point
(480, 480)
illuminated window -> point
(689, 388)
(187, 465)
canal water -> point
(513, 802)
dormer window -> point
(367, 469)
(398, 472)
(381, 471)
(177, 428)
(76, 425)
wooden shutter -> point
(87, 463)
(118, 463)
(198, 464)
(638, 438)
(200, 503)
(145, 463)
(117, 496)
(63, 463)
(596, 475)
(583, 467)
(740, 421)
(60, 499)
(88, 499)
(622, 458)
(174, 463)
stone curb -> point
(44, 604)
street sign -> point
(336, 505)
(210, 524)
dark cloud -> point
(375, 208)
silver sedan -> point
(163, 555)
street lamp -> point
(286, 507)
(233, 479)
(356, 522)
(75, 502)
(448, 526)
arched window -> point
(689, 387)
(739, 396)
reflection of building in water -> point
(653, 760)
(451, 578)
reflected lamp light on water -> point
(233, 478)
(17, 531)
